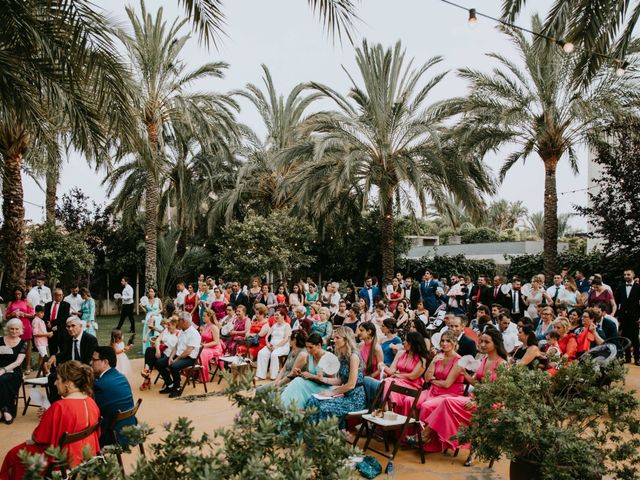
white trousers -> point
(268, 359)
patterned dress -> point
(352, 401)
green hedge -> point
(445, 265)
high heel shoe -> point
(146, 385)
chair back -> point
(67, 439)
(123, 416)
(402, 390)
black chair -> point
(114, 436)
(65, 440)
(194, 373)
(40, 380)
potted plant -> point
(580, 423)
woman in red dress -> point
(260, 327)
(190, 302)
(74, 412)
(395, 295)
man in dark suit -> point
(517, 307)
(627, 298)
(466, 346)
(78, 345)
(411, 292)
(112, 393)
(480, 295)
(370, 293)
(56, 313)
(497, 295)
(238, 297)
(428, 289)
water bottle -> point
(390, 470)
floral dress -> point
(351, 401)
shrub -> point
(479, 235)
(447, 265)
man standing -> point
(555, 291)
(582, 283)
(480, 295)
(112, 393)
(74, 300)
(411, 292)
(627, 298)
(56, 313)
(127, 305)
(238, 297)
(370, 293)
(40, 294)
(498, 296)
(183, 355)
(517, 306)
(428, 289)
(180, 296)
(334, 298)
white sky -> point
(284, 35)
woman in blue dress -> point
(347, 394)
(311, 381)
(311, 297)
(88, 311)
(152, 325)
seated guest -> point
(606, 324)
(353, 317)
(567, 341)
(162, 346)
(370, 350)
(403, 318)
(240, 329)
(77, 345)
(12, 353)
(466, 346)
(390, 342)
(449, 412)
(509, 331)
(323, 326)
(347, 393)
(183, 355)
(552, 349)
(277, 345)
(528, 351)
(301, 321)
(112, 394)
(75, 412)
(588, 335)
(259, 329)
(379, 315)
(296, 360)
(307, 383)
(407, 370)
(444, 374)
(213, 348)
(341, 314)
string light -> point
(578, 190)
(622, 69)
(568, 47)
(473, 19)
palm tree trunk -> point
(13, 228)
(550, 252)
(388, 240)
(52, 178)
(152, 200)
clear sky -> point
(284, 35)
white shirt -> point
(127, 295)
(180, 296)
(334, 301)
(33, 297)
(75, 301)
(551, 291)
(188, 338)
(44, 293)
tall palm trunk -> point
(550, 252)
(152, 200)
(52, 178)
(388, 240)
(13, 146)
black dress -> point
(10, 381)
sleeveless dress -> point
(405, 364)
(449, 412)
(24, 307)
(209, 353)
(429, 398)
(219, 307)
(153, 317)
(351, 401)
(262, 341)
(123, 364)
(190, 307)
(311, 298)
(394, 300)
(299, 390)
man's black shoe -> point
(175, 393)
(637, 363)
(167, 389)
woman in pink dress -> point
(445, 375)
(394, 295)
(370, 349)
(190, 302)
(449, 412)
(213, 346)
(240, 330)
(406, 370)
(219, 303)
(21, 309)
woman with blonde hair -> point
(347, 392)
(323, 326)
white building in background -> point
(594, 171)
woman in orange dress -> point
(260, 327)
(74, 412)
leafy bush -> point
(447, 265)
(479, 235)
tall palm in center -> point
(384, 143)
(166, 110)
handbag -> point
(253, 340)
(369, 467)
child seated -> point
(553, 349)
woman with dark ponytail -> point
(74, 412)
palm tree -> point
(383, 143)
(258, 178)
(58, 61)
(601, 29)
(537, 222)
(502, 214)
(164, 110)
(539, 110)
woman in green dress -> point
(306, 384)
(323, 326)
(311, 297)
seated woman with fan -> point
(320, 367)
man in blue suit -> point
(428, 288)
(370, 293)
(112, 393)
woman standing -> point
(267, 298)
(311, 297)
(370, 350)
(153, 318)
(277, 345)
(204, 302)
(281, 297)
(599, 294)
(394, 295)
(323, 326)
(75, 412)
(12, 353)
(254, 291)
(407, 370)
(347, 394)
(218, 303)
(88, 311)
(296, 297)
(190, 302)
(211, 343)
(535, 297)
(570, 297)
(21, 309)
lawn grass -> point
(109, 322)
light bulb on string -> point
(568, 47)
(622, 69)
(473, 19)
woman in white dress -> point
(277, 346)
(535, 297)
(152, 324)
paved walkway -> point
(214, 412)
